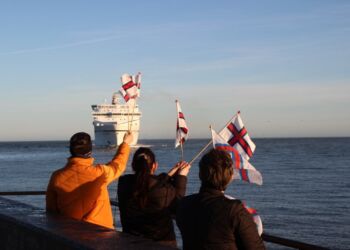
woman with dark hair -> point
(148, 201)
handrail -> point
(266, 237)
(23, 193)
(290, 243)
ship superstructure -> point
(112, 121)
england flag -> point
(181, 127)
(129, 88)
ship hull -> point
(112, 134)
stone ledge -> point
(26, 227)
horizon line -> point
(198, 138)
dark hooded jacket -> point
(154, 220)
(209, 220)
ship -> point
(112, 121)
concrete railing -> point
(26, 227)
(266, 237)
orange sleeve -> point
(117, 165)
(51, 197)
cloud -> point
(63, 46)
(104, 35)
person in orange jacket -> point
(79, 190)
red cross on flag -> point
(243, 170)
(181, 127)
(237, 136)
(129, 89)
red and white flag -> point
(181, 127)
(236, 135)
(243, 170)
(138, 83)
(254, 214)
(129, 88)
(124, 94)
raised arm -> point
(177, 188)
(180, 180)
(117, 165)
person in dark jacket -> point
(148, 201)
(210, 220)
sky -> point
(284, 64)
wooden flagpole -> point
(210, 142)
(121, 79)
(182, 151)
(132, 115)
(138, 81)
(200, 152)
(129, 117)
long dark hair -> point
(142, 163)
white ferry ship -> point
(112, 121)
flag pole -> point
(182, 151)
(200, 152)
(133, 109)
(132, 115)
(129, 117)
(121, 79)
(210, 142)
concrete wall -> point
(25, 227)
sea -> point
(305, 194)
